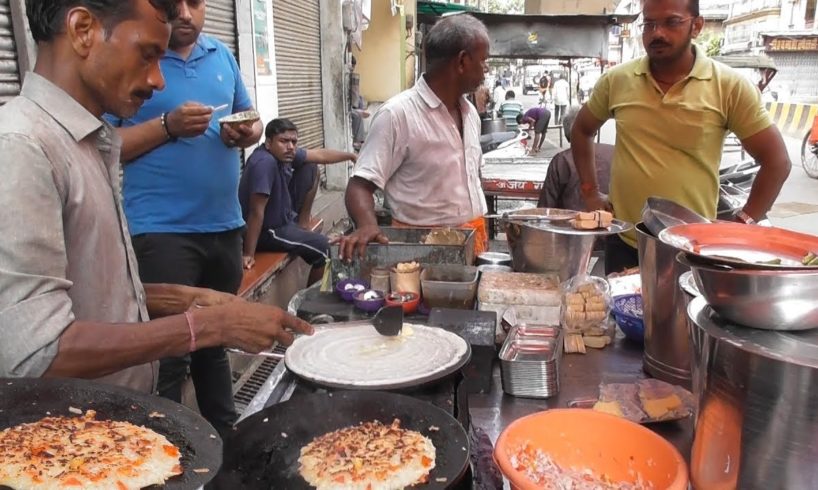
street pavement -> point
(796, 207)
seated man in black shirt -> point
(271, 193)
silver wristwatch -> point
(744, 217)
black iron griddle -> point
(25, 400)
(263, 452)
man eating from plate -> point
(71, 300)
(180, 188)
(423, 148)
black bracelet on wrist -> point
(164, 119)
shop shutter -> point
(9, 71)
(797, 74)
(220, 22)
(297, 32)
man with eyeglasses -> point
(673, 109)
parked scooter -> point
(735, 183)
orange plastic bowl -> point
(586, 439)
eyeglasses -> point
(672, 23)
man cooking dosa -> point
(423, 148)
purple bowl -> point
(347, 295)
(368, 305)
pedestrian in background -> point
(562, 97)
(510, 109)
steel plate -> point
(564, 227)
(742, 246)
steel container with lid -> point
(667, 343)
(757, 395)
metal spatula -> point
(388, 320)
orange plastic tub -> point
(586, 439)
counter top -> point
(580, 377)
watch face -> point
(744, 217)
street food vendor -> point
(71, 300)
(673, 109)
(423, 147)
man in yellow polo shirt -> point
(673, 109)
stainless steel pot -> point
(489, 126)
(667, 343)
(757, 394)
(534, 249)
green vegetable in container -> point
(810, 259)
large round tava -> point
(357, 357)
(263, 452)
(25, 400)
(742, 246)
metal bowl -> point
(494, 258)
(660, 213)
(555, 247)
(769, 300)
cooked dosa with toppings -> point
(85, 453)
(369, 456)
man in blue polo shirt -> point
(272, 191)
(180, 181)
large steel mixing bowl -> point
(556, 247)
(769, 300)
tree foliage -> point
(711, 42)
(505, 6)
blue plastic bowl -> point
(627, 310)
(347, 295)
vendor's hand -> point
(248, 261)
(189, 120)
(597, 201)
(358, 240)
(254, 327)
(242, 136)
(208, 297)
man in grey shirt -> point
(561, 187)
(71, 302)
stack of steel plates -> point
(530, 361)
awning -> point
(440, 8)
(550, 36)
(747, 61)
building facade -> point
(387, 56)
(570, 7)
(785, 30)
(626, 40)
(302, 76)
